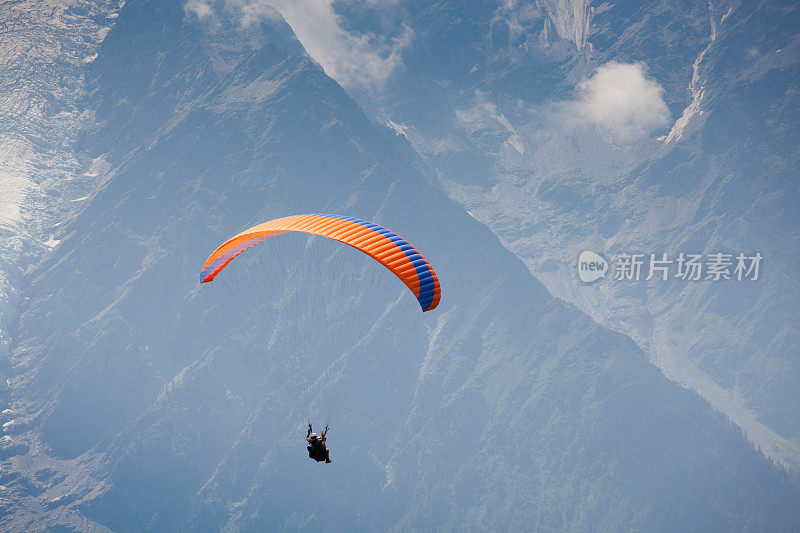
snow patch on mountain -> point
(399, 129)
(571, 19)
(696, 86)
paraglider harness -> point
(316, 446)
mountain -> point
(700, 155)
(42, 107)
(139, 405)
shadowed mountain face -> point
(140, 405)
(516, 122)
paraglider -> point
(386, 247)
(316, 446)
(316, 285)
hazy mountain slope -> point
(507, 121)
(44, 47)
(140, 406)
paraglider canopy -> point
(383, 245)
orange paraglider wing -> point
(386, 247)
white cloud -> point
(199, 8)
(364, 60)
(244, 12)
(618, 101)
(250, 12)
(351, 59)
(621, 100)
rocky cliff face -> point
(699, 156)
